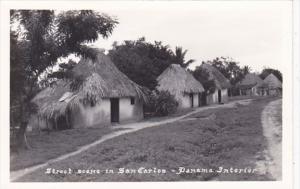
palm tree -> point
(179, 57)
(246, 70)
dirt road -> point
(272, 129)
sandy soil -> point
(271, 162)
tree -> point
(203, 77)
(143, 62)
(230, 69)
(267, 71)
(180, 57)
(246, 70)
(44, 37)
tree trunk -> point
(21, 136)
(21, 141)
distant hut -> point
(274, 85)
(252, 85)
(222, 85)
(179, 82)
(103, 95)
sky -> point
(254, 34)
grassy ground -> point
(176, 114)
(227, 137)
(233, 98)
(45, 146)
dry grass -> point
(230, 138)
(47, 146)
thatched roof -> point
(177, 80)
(100, 79)
(251, 80)
(220, 80)
(273, 82)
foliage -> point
(161, 103)
(41, 38)
(143, 61)
(203, 77)
(230, 69)
(267, 71)
(180, 57)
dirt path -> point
(272, 128)
(129, 128)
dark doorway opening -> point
(62, 122)
(192, 99)
(219, 96)
(203, 99)
(114, 110)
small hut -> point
(180, 83)
(252, 85)
(274, 85)
(100, 95)
(222, 85)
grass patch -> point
(231, 139)
(50, 145)
(178, 113)
(245, 97)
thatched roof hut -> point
(273, 82)
(178, 80)
(251, 80)
(182, 84)
(100, 79)
(220, 80)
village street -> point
(227, 127)
(272, 129)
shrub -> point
(161, 103)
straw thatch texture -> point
(101, 79)
(273, 82)
(220, 80)
(250, 81)
(177, 81)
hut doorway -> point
(114, 110)
(192, 100)
(219, 96)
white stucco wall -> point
(213, 98)
(130, 112)
(88, 116)
(224, 93)
(196, 101)
(98, 115)
(185, 101)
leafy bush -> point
(161, 103)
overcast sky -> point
(253, 34)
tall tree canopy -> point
(143, 62)
(41, 37)
(267, 71)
